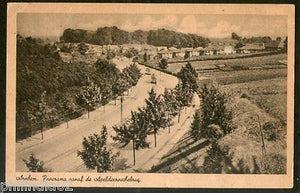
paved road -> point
(59, 148)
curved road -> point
(59, 148)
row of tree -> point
(158, 112)
(89, 95)
(115, 36)
(149, 120)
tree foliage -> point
(196, 125)
(35, 165)
(188, 76)
(136, 132)
(163, 63)
(155, 113)
(116, 36)
(96, 154)
(214, 111)
(62, 82)
(89, 96)
(41, 113)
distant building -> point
(274, 45)
(229, 49)
(150, 55)
(164, 54)
(250, 48)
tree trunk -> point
(88, 112)
(133, 150)
(169, 123)
(179, 116)
(67, 124)
(185, 110)
(121, 109)
(155, 139)
(42, 132)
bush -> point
(35, 165)
(215, 112)
(246, 96)
(163, 63)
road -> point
(59, 148)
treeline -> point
(49, 90)
(116, 36)
(259, 39)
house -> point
(188, 52)
(175, 53)
(164, 54)
(149, 54)
(274, 45)
(228, 49)
(207, 51)
(160, 48)
(199, 51)
(250, 48)
(213, 50)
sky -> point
(211, 26)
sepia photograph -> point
(182, 93)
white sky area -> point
(211, 26)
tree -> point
(163, 63)
(41, 113)
(82, 48)
(214, 111)
(120, 87)
(110, 54)
(136, 132)
(35, 165)
(239, 45)
(131, 53)
(188, 94)
(170, 104)
(155, 113)
(145, 57)
(95, 153)
(186, 55)
(188, 75)
(133, 74)
(179, 95)
(69, 109)
(195, 126)
(235, 36)
(285, 44)
(105, 95)
(89, 96)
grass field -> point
(261, 61)
(242, 76)
(270, 95)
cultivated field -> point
(234, 64)
(231, 77)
